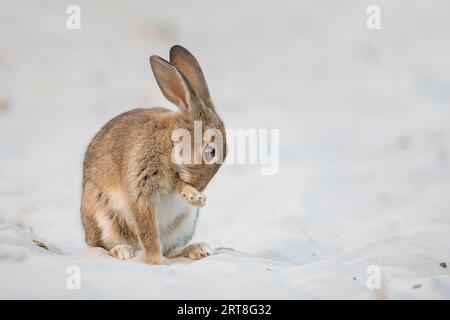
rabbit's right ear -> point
(185, 61)
(172, 83)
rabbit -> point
(134, 196)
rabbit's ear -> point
(172, 83)
(186, 63)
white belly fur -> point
(176, 221)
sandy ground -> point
(364, 123)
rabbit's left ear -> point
(186, 63)
(172, 84)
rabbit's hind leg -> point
(122, 252)
(193, 251)
(107, 224)
(117, 237)
(89, 206)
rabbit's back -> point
(109, 150)
(112, 172)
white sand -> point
(364, 123)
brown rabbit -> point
(134, 195)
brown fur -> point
(128, 166)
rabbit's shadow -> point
(221, 251)
(230, 252)
(101, 253)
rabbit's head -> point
(182, 82)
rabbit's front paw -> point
(122, 252)
(197, 251)
(193, 196)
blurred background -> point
(364, 115)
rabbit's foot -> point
(122, 252)
(193, 196)
(194, 251)
(157, 260)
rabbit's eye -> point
(209, 153)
